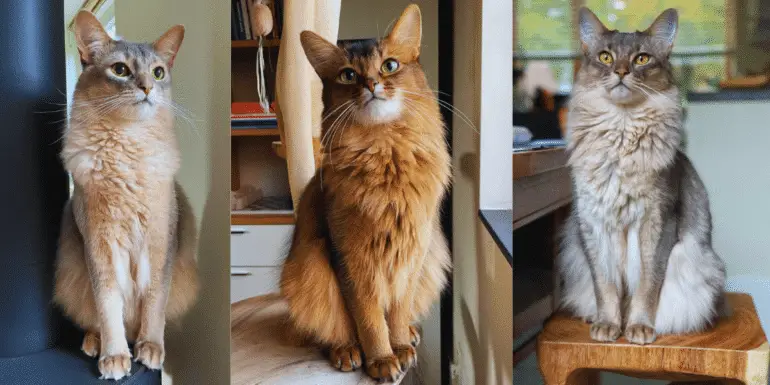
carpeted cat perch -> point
(37, 346)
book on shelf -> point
(246, 19)
(250, 108)
(239, 20)
(245, 115)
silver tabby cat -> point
(636, 253)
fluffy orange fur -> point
(126, 259)
(368, 256)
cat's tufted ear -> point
(591, 28)
(168, 45)
(91, 38)
(325, 57)
(408, 30)
(663, 29)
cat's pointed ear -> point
(325, 57)
(408, 30)
(168, 45)
(663, 29)
(90, 36)
(591, 28)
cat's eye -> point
(605, 57)
(389, 66)
(159, 73)
(642, 59)
(347, 76)
(120, 69)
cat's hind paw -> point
(414, 335)
(407, 356)
(346, 359)
(91, 344)
(150, 354)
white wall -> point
(483, 279)
(728, 143)
(198, 352)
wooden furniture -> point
(541, 197)
(735, 351)
(261, 351)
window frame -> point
(728, 51)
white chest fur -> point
(618, 156)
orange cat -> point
(368, 256)
(126, 260)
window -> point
(105, 12)
(545, 31)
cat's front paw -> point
(640, 334)
(346, 358)
(407, 356)
(384, 368)
(605, 332)
(150, 354)
(115, 367)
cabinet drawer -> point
(247, 282)
(263, 245)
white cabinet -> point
(256, 255)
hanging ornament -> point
(261, 25)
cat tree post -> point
(298, 90)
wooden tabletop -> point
(529, 163)
(541, 184)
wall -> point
(483, 279)
(198, 350)
(728, 143)
(369, 19)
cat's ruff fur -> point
(126, 258)
(375, 201)
(636, 194)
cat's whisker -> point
(328, 115)
(450, 108)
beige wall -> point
(368, 19)
(727, 142)
(483, 279)
(198, 351)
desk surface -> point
(541, 184)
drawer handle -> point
(240, 273)
(238, 230)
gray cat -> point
(636, 252)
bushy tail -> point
(184, 272)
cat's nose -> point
(145, 88)
(371, 84)
(621, 71)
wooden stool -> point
(735, 351)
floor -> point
(526, 373)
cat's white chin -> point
(378, 111)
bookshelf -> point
(267, 43)
(255, 164)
